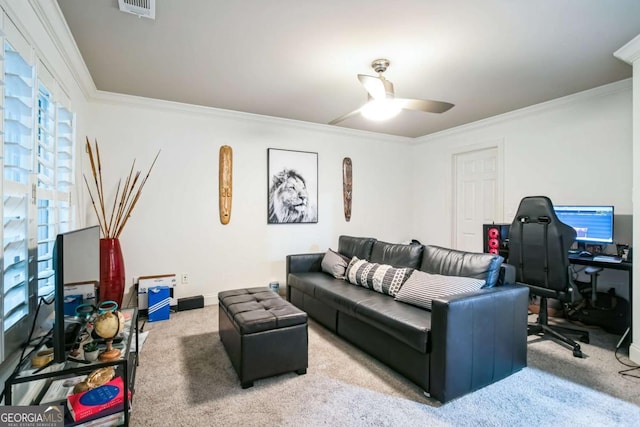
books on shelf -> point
(91, 402)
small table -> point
(263, 334)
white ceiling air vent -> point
(140, 8)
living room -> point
(576, 149)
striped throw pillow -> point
(381, 278)
(421, 288)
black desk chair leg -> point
(542, 327)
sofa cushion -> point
(408, 324)
(421, 288)
(306, 282)
(397, 255)
(355, 246)
(381, 278)
(342, 296)
(451, 262)
(334, 264)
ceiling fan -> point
(383, 104)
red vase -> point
(111, 271)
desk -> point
(624, 266)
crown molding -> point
(118, 99)
(600, 91)
(630, 52)
(52, 19)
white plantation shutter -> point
(16, 190)
(37, 133)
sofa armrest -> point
(507, 275)
(477, 338)
(304, 263)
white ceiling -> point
(299, 59)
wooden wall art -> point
(225, 181)
(347, 187)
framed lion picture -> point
(292, 182)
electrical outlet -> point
(184, 278)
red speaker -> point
(495, 239)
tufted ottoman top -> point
(259, 309)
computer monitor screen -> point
(593, 224)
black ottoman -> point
(263, 334)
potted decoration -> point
(112, 221)
(91, 351)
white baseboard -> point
(634, 353)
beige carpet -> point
(186, 379)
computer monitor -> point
(76, 259)
(593, 224)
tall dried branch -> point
(125, 199)
(125, 195)
(115, 199)
(94, 206)
(137, 196)
(101, 192)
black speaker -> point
(190, 303)
(495, 239)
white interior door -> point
(477, 196)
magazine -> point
(60, 389)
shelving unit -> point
(29, 385)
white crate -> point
(87, 290)
(146, 282)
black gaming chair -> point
(538, 248)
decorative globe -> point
(108, 325)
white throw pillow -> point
(421, 288)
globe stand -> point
(107, 326)
(110, 353)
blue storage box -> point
(158, 303)
(70, 304)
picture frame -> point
(292, 187)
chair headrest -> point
(536, 209)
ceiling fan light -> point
(379, 110)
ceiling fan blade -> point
(374, 85)
(346, 116)
(425, 105)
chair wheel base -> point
(577, 352)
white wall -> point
(630, 53)
(575, 150)
(176, 228)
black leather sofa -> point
(466, 341)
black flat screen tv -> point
(76, 259)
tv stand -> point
(28, 386)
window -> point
(18, 142)
(37, 133)
(46, 196)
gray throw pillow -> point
(421, 288)
(334, 264)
